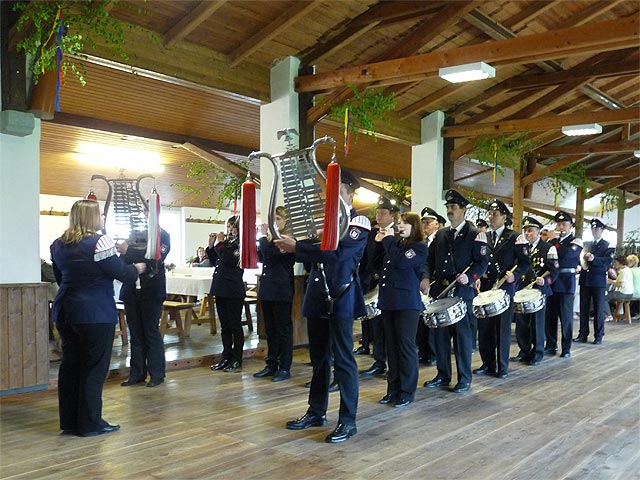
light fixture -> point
(585, 129)
(366, 196)
(467, 72)
(118, 157)
(636, 153)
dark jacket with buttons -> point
(544, 258)
(594, 273)
(276, 280)
(340, 268)
(153, 282)
(227, 277)
(401, 273)
(448, 257)
(569, 249)
(85, 272)
(511, 249)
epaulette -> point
(105, 248)
(481, 237)
(521, 240)
(361, 221)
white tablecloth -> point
(197, 286)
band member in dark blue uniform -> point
(432, 221)
(276, 296)
(374, 253)
(330, 320)
(228, 288)
(401, 304)
(596, 260)
(453, 250)
(143, 307)
(564, 288)
(85, 264)
(506, 249)
(543, 270)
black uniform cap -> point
(481, 222)
(428, 212)
(499, 205)
(347, 178)
(385, 203)
(563, 217)
(531, 222)
(597, 223)
(453, 196)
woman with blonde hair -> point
(634, 266)
(85, 264)
(400, 302)
(276, 298)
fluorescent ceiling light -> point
(586, 129)
(366, 196)
(636, 154)
(119, 158)
(467, 72)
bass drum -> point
(491, 303)
(529, 301)
(445, 312)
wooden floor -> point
(576, 419)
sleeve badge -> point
(410, 253)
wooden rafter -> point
(544, 123)
(611, 172)
(218, 160)
(527, 14)
(589, 148)
(604, 36)
(297, 10)
(424, 103)
(618, 182)
(497, 109)
(191, 21)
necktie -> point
(492, 238)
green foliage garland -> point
(510, 150)
(561, 183)
(83, 20)
(364, 108)
(611, 199)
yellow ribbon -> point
(53, 30)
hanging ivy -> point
(213, 182)
(610, 200)
(561, 183)
(509, 150)
(364, 108)
(398, 188)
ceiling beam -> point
(618, 182)
(611, 172)
(546, 170)
(497, 109)
(534, 10)
(597, 37)
(191, 21)
(218, 160)
(589, 148)
(538, 124)
(297, 10)
(425, 102)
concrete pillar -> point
(427, 160)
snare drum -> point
(529, 301)
(444, 312)
(491, 303)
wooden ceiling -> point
(201, 71)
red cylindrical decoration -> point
(91, 195)
(248, 248)
(331, 234)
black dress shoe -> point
(342, 432)
(462, 387)
(334, 387)
(361, 350)
(154, 382)
(233, 366)
(580, 340)
(436, 382)
(221, 365)
(306, 421)
(402, 402)
(550, 351)
(502, 375)
(518, 358)
(281, 375)
(597, 341)
(131, 381)
(373, 370)
(431, 363)
(107, 429)
(565, 355)
(265, 372)
(387, 399)
(534, 362)
(484, 371)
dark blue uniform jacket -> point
(512, 249)
(544, 258)
(594, 273)
(276, 280)
(569, 249)
(227, 277)
(401, 274)
(153, 282)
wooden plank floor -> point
(575, 419)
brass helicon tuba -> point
(298, 171)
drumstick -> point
(452, 284)
(533, 283)
(499, 283)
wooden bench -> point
(171, 311)
(122, 322)
(625, 303)
(208, 305)
(250, 299)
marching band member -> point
(276, 298)
(564, 288)
(228, 288)
(597, 258)
(330, 320)
(454, 249)
(401, 304)
(505, 249)
(374, 253)
(543, 270)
